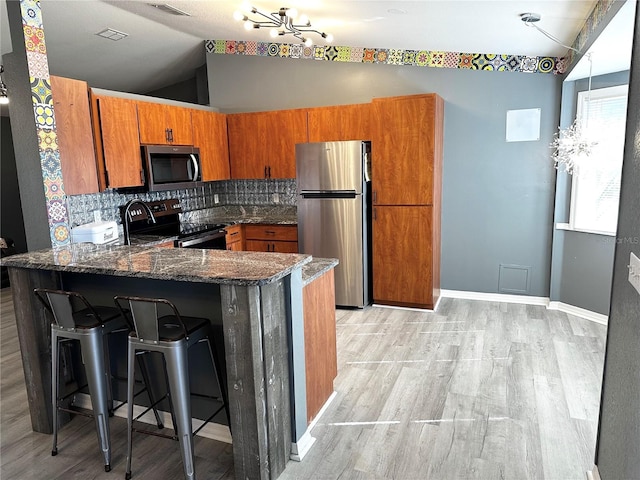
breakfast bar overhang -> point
(257, 297)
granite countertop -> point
(315, 268)
(177, 264)
(148, 240)
(234, 214)
(270, 219)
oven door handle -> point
(189, 242)
(196, 168)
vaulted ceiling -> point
(162, 48)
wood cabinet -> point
(210, 136)
(271, 238)
(403, 272)
(320, 352)
(235, 238)
(169, 244)
(262, 144)
(341, 122)
(75, 135)
(115, 127)
(406, 147)
(271, 246)
(162, 124)
(407, 137)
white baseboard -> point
(214, 431)
(303, 445)
(527, 300)
(579, 312)
(300, 448)
(593, 474)
(495, 297)
(411, 309)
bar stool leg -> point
(54, 389)
(131, 371)
(107, 375)
(176, 361)
(147, 382)
(213, 352)
(93, 352)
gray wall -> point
(582, 263)
(497, 196)
(619, 430)
(12, 225)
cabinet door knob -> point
(269, 172)
(265, 172)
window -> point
(595, 190)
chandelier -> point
(571, 148)
(285, 21)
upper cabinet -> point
(262, 144)
(75, 136)
(115, 126)
(406, 148)
(210, 136)
(162, 124)
(342, 122)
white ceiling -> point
(162, 48)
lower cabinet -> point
(271, 238)
(403, 256)
(271, 246)
(234, 238)
(169, 244)
(318, 299)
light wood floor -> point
(478, 390)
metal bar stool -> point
(74, 318)
(170, 335)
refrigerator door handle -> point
(331, 194)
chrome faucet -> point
(126, 216)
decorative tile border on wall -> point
(244, 193)
(416, 58)
(600, 9)
(45, 121)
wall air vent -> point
(170, 9)
(112, 34)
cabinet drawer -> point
(287, 233)
(271, 246)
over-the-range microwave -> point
(171, 168)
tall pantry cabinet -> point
(407, 139)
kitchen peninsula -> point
(256, 297)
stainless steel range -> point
(144, 221)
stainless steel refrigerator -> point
(334, 213)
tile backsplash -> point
(280, 192)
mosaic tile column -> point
(45, 122)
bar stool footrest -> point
(155, 434)
(77, 411)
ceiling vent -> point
(112, 34)
(170, 9)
